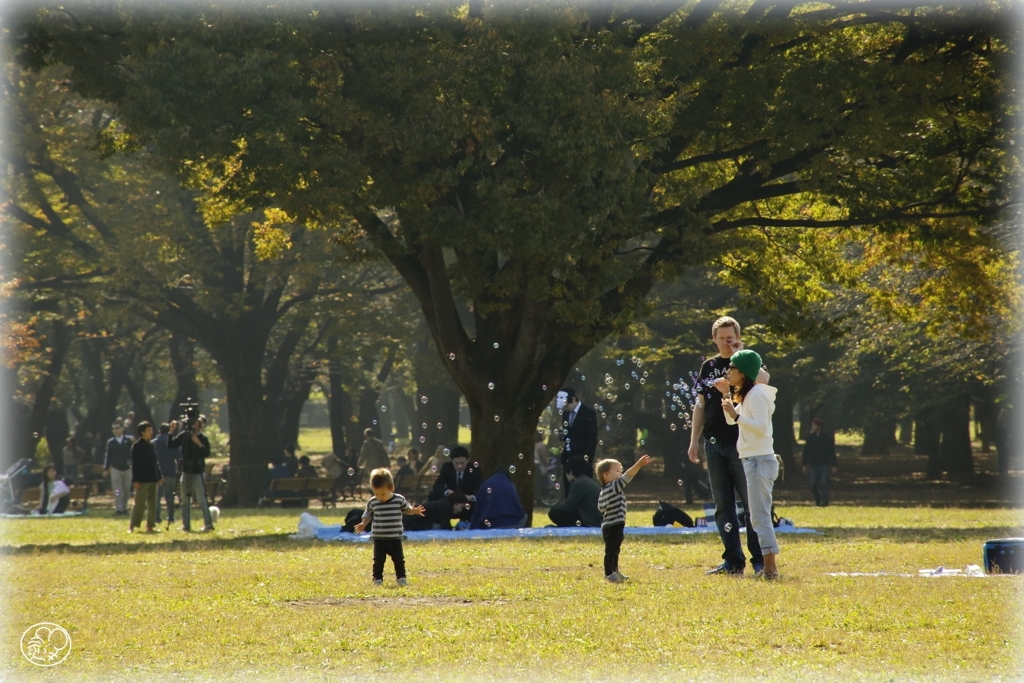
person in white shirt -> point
(53, 493)
(750, 408)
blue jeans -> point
(762, 471)
(194, 485)
(727, 479)
(818, 479)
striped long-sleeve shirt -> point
(612, 501)
(386, 516)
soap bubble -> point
(488, 490)
(496, 418)
(487, 523)
(383, 409)
(440, 426)
(495, 344)
(544, 387)
(619, 362)
(558, 486)
(712, 439)
(728, 527)
(579, 523)
(451, 356)
(643, 381)
(433, 469)
(607, 428)
(446, 452)
(424, 425)
(553, 478)
(586, 458)
(351, 472)
(626, 385)
(604, 415)
(490, 385)
(476, 464)
(619, 416)
(423, 439)
(583, 378)
(423, 399)
(374, 422)
(511, 469)
(680, 482)
(672, 426)
(642, 442)
(529, 472)
(520, 456)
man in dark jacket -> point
(580, 507)
(819, 460)
(194, 452)
(117, 463)
(579, 433)
(167, 458)
(457, 475)
(146, 478)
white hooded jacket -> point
(754, 416)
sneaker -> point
(725, 568)
(402, 582)
(131, 529)
(208, 527)
(378, 582)
(614, 577)
(622, 577)
(758, 567)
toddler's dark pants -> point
(384, 548)
(612, 543)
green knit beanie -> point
(748, 362)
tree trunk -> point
(955, 450)
(906, 430)
(986, 413)
(782, 429)
(337, 400)
(57, 432)
(182, 352)
(59, 342)
(138, 397)
(504, 444)
(250, 446)
(290, 410)
(927, 439)
(368, 414)
(879, 436)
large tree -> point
(546, 165)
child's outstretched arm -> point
(418, 510)
(362, 525)
(644, 460)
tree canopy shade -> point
(547, 164)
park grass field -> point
(247, 603)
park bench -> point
(299, 488)
(79, 494)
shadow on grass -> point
(261, 541)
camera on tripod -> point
(189, 413)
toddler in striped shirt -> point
(385, 510)
(611, 503)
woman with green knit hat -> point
(751, 407)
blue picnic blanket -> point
(334, 533)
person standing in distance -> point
(117, 464)
(579, 433)
(723, 461)
(819, 460)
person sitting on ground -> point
(53, 493)
(498, 506)
(580, 507)
(438, 514)
(457, 475)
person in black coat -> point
(457, 475)
(579, 433)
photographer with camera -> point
(194, 451)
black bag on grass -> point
(668, 514)
(354, 516)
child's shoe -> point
(622, 577)
(378, 582)
(402, 582)
(614, 577)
